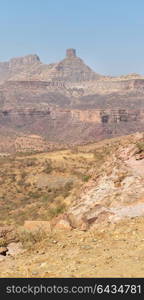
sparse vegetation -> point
(99, 156)
(28, 238)
(3, 242)
(86, 178)
(34, 195)
(55, 211)
(22, 196)
(31, 185)
(140, 146)
(48, 167)
(30, 162)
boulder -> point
(63, 224)
(14, 248)
(38, 226)
(3, 251)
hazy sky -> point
(108, 34)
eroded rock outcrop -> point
(67, 102)
(118, 191)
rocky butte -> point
(66, 102)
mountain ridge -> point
(31, 61)
(67, 102)
(68, 68)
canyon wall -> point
(67, 102)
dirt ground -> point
(113, 250)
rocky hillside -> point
(80, 208)
(116, 190)
(90, 183)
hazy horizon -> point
(107, 35)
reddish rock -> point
(63, 224)
(37, 225)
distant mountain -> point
(66, 102)
(29, 67)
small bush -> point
(86, 178)
(20, 182)
(3, 242)
(34, 195)
(23, 175)
(101, 156)
(98, 155)
(140, 146)
(53, 212)
(67, 188)
(46, 198)
(30, 162)
(48, 167)
(28, 238)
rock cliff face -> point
(72, 69)
(17, 65)
(110, 195)
(67, 102)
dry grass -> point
(21, 195)
(114, 250)
(30, 184)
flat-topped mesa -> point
(25, 60)
(70, 53)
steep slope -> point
(116, 190)
(96, 189)
(19, 65)
(94, 182)
(35, 108)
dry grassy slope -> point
(89, 179)
(38, 187)
(12, 143)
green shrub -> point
(45, 198)
(86, 178)
(53, 212)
